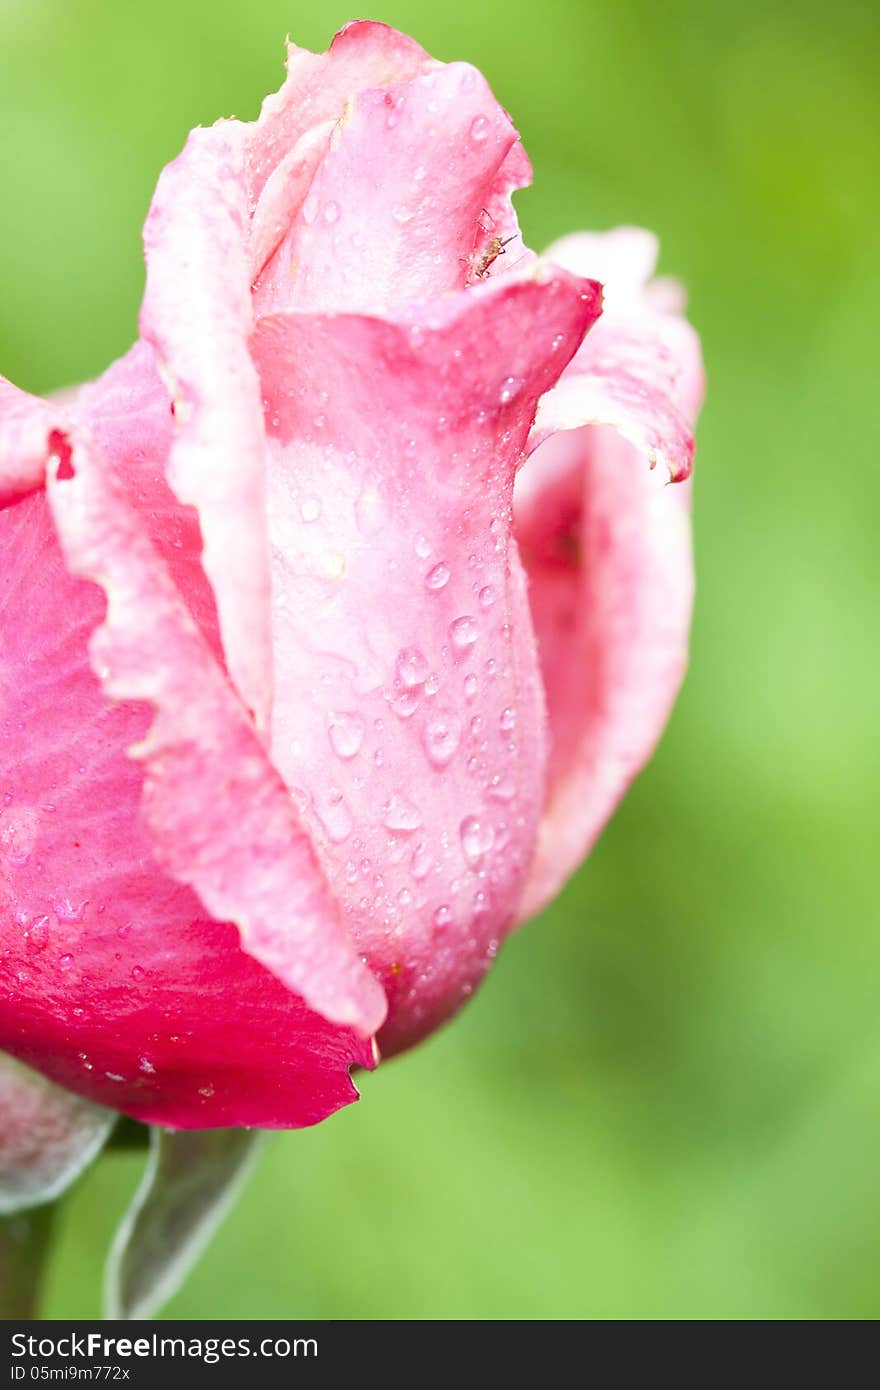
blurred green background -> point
(666, 1101)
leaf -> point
(47, 1136)
(191, 1180)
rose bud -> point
(305, 704)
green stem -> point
(24, 1245)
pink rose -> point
(305, 705)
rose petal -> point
(197, 315)
(25, 422)
(399, 207)
(408, 718)
(640, 371)
(220, 817)
(115, 981)
(607, 548)
(47, 1136)
(292, 133)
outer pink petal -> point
(47, 1136)
(220, 816)
(607, 548)
(25, 422)
(218, 212)
(399, 208)
(197, 314)
(641, 370)
(113, 979)
(291, 135)
(408, 718)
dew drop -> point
(438, 577)
(464, 632)
(346, 734)
(421, 862)
(310, 509)
(406, 704)
(507, 719)
(412, 667)
(123, 931)
(501, 788)
(67, 911)
(487, 596)
(310, 209)
(441, 737)
(477, 838)
(443, 916)
(422, 547)
(38, 933)
(137, 972)
(401, 814)
(510, 389)
(65, 962)
(331, 212)
(335, 817)
(206, 1091)
(146, 1066)
(479, 128)
(470, 686)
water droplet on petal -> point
(401, 814)
(422, 861)
(331, 212)
(402, 214)
(67, 911)
(412, 667)
(479, 128)
(502, 787)
(310, 508)
(477, 838)
(464, 632)
(510, 389)
(470, 686)
(206, 1091)
(443, 916)
(38, 933)
(310, 209)
(441, 737)
(438, 577)
(507, 719)
(137, 972)
(146, 1066)
(487, 596)
(335, 816)
(406, 704)
(65, 962)
(346, 734)
(422, 547)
